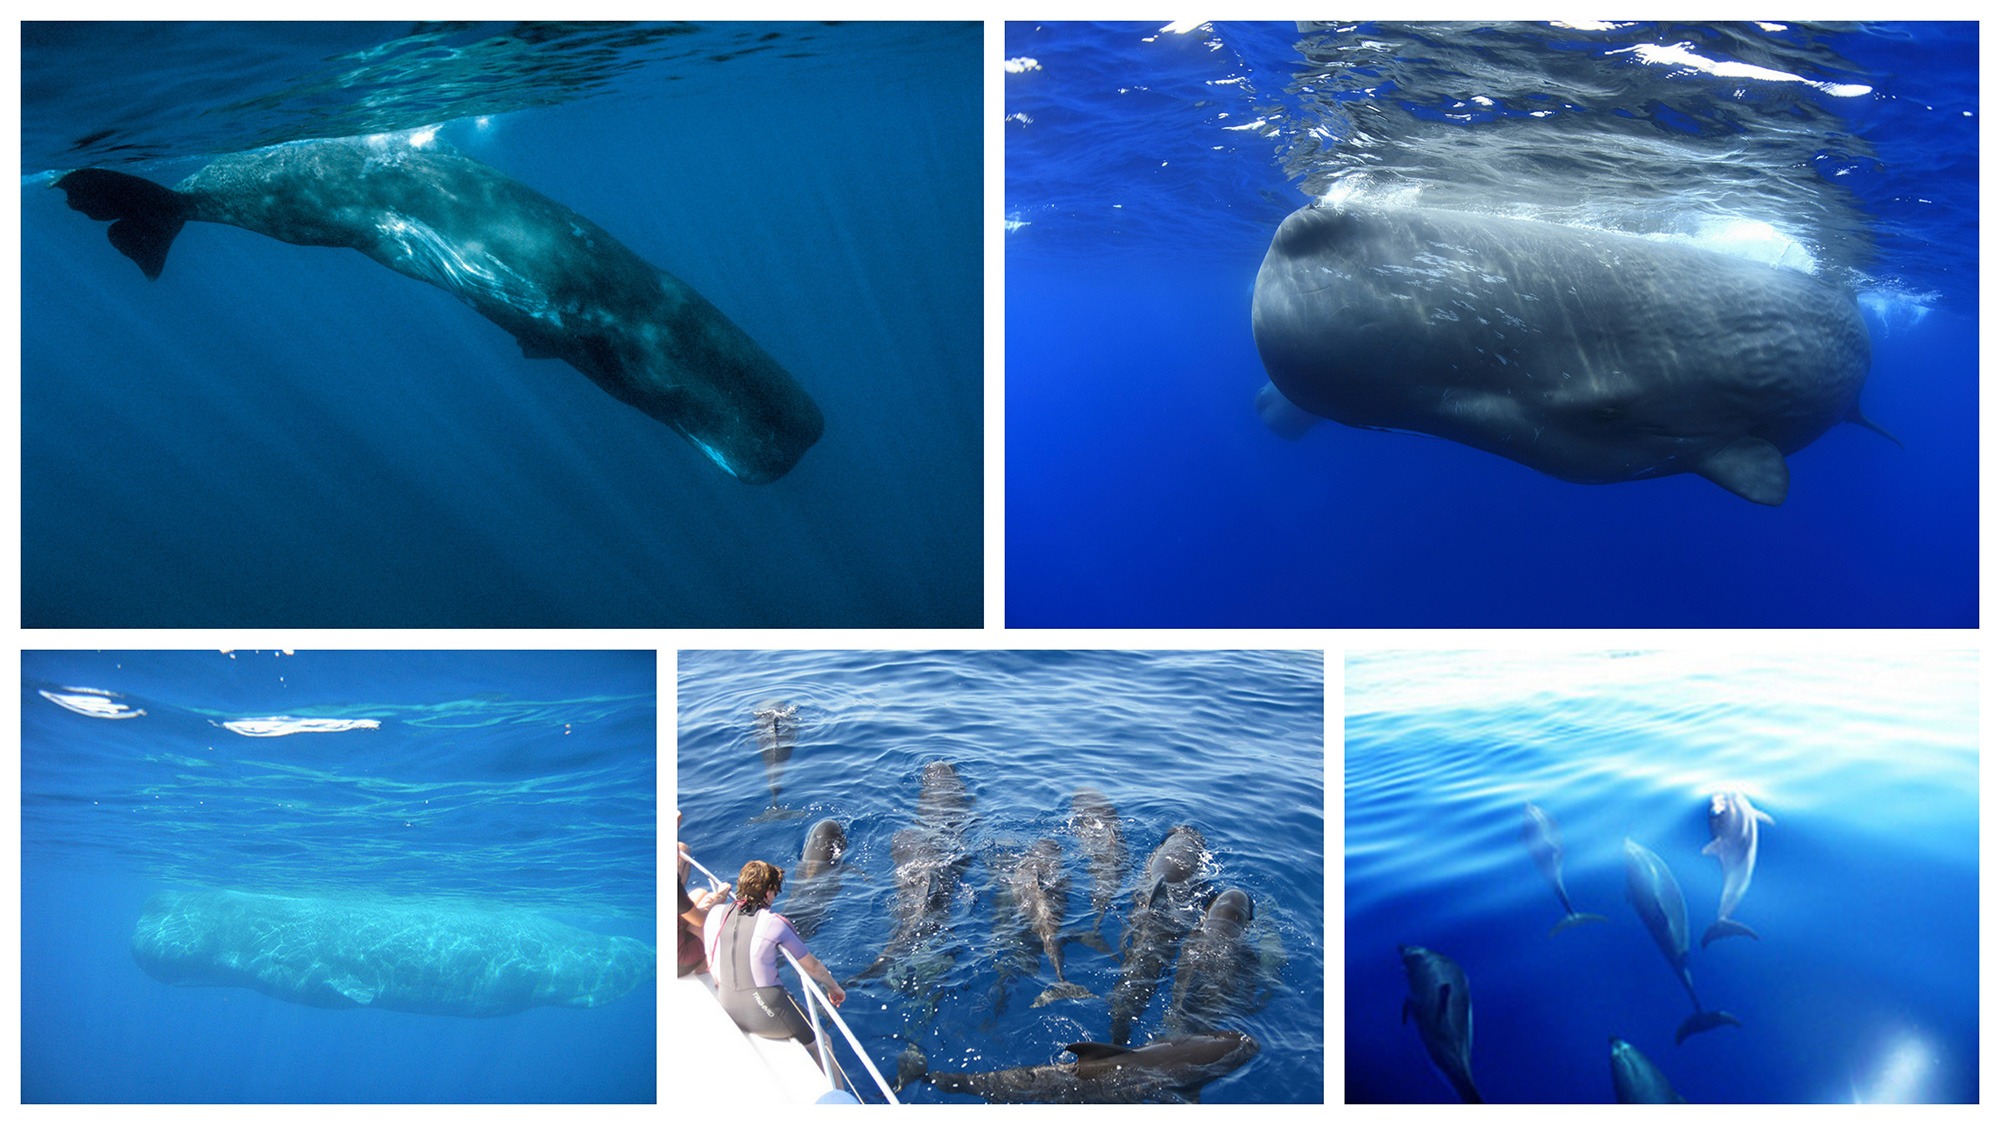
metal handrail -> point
(816, 1003)
(820, 1003)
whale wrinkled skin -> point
(1732, 821)
(1591, 356)
(558, 283)
(433, 957)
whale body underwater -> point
(432, 957)
(558, 283)
(1591, 356)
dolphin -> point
(1215, 966)
(777, 726)
(1636, 1079)
(816, 879)
(1159, 921)
(1443, 1008)
(1538, 832)
(1041, 896)
(929, 860)
(1590, 356)
(428, 956)
(1095, 824)
(1172, 1069)
(1657, 899)
(557, 282)
(1732, 821)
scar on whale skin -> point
(558, 283)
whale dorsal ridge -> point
(1751, 468)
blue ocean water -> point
(1863, 983)
(515, 779)
(1148, 166)
(1229, 742)
(285, 435)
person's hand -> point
(835, 993)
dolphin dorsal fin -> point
(1751, 468)
(1089, 1051)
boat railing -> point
(817, 1005)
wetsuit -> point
(742, 950)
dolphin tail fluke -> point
(1726, 928)
(144, 216)
(1576, 919)
(1703, 1021)
(1467, 1092)
(1062, 991)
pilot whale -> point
(558, 283)
(434, 957)
(1732, 821)
(1443, 1009)
(1591, 356)
(1656, 896)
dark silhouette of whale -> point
(1442, 1006)
(431, 956)
(1171, 1069)
(1590, 356)
(557, 282)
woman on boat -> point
(742, 940)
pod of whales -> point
(1732, 822)
(1657, 899)
(1591, 356)
(1442, 1007)
(555, 281)
(435, 957)
(1544, 843)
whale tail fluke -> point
(144, 216)
(1703, 1021)
(1725, 928)
(1576, 918)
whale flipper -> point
(1703, 1021)
(1726, 928)
(1751, 468)
(1577, 918)
(144, 216)
(1280, 415)
(1855, 416)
